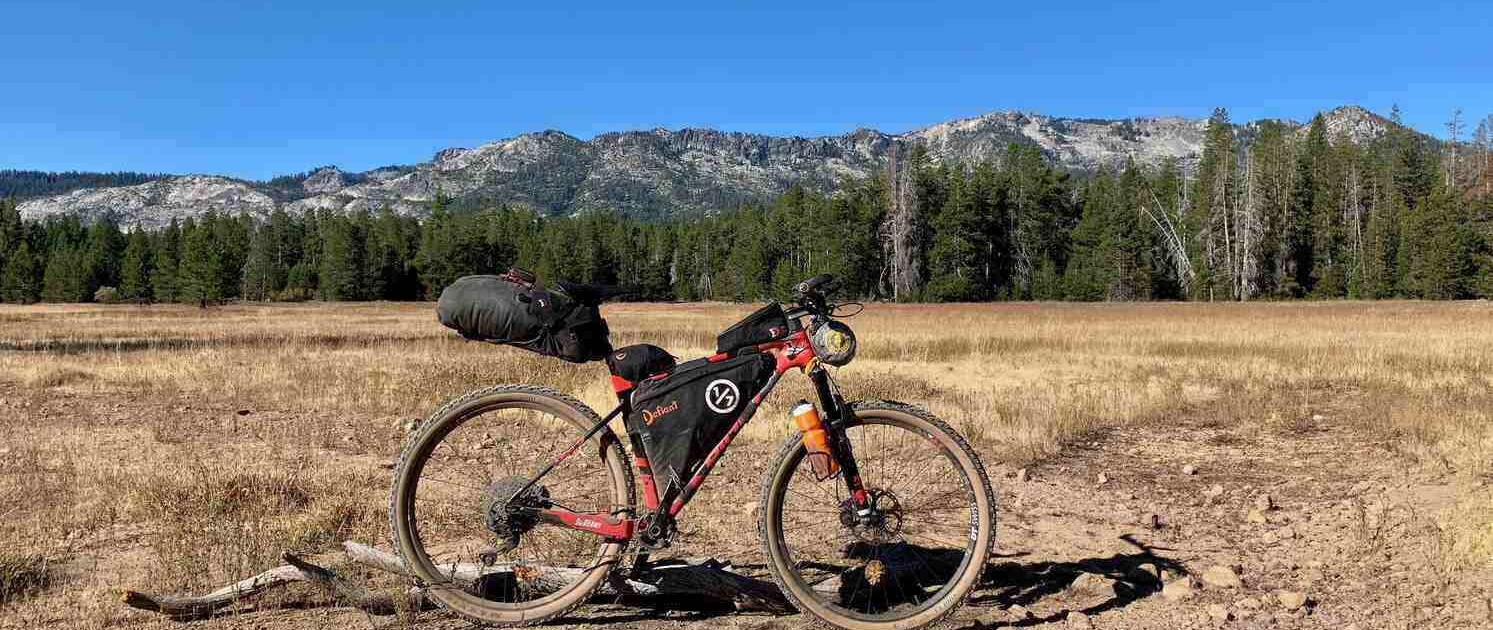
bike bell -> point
(833, 343)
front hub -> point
(879, 522)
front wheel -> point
(911, 559)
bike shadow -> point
(1014, 583)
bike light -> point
(833, 343)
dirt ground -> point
(1351, 525)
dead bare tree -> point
(1454, 132)
(899, 231)
(1174, 238)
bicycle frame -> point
(794, 352)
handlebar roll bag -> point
(683, 415)
(768, 323)
(500, 310)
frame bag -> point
(683, 415)
(511, 310)
(768, 323)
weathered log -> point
(709, 579)
(679, 584)
(295, 569)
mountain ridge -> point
(659, 172)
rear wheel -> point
(464, 524)
(911, 559)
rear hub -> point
(509, 510)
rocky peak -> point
(1355, 124)
(325, 180)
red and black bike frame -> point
(793, 352)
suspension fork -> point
(837, 416)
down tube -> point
(720, 449)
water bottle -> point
(816, 441)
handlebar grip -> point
(820, 284)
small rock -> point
(1215, 491)
(1291, 600)
(1285, 533)
(1093, 584)
(1317, 417)
(1219, 576)
(1019, 612)
(1264, 503)
(1256, 516)
(244, 412)
(1079, 620)
(389, 465)
(1144, 575)
(1219, 613)
(1150, 520)
(1022, 476)
(1179, 590)
(1248, 603)
(1103, 479)
(1189, 470)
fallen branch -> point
(683, 584)
(295, 569)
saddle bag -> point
(681, 416)
(510, 309)
(768, 323)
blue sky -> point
(278, 87)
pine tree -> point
(231, 242)
(18, 278)
(67, 275)
(105, 244)
(437, 256)
(165, 279)
(12, 233)
(953, 258)
(134, 275)
(1212, 216)
(201, 268)
(259, 266)
(342, 268)
(1271, 171)
(1089, 275)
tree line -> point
(26, 184)
(1275, 215)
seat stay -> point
(571, 450)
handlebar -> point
(813, 297)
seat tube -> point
(838, 415)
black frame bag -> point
(511, 310)
(768, 323)
(682, 416)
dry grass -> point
(203, 493)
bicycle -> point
(513, 504)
